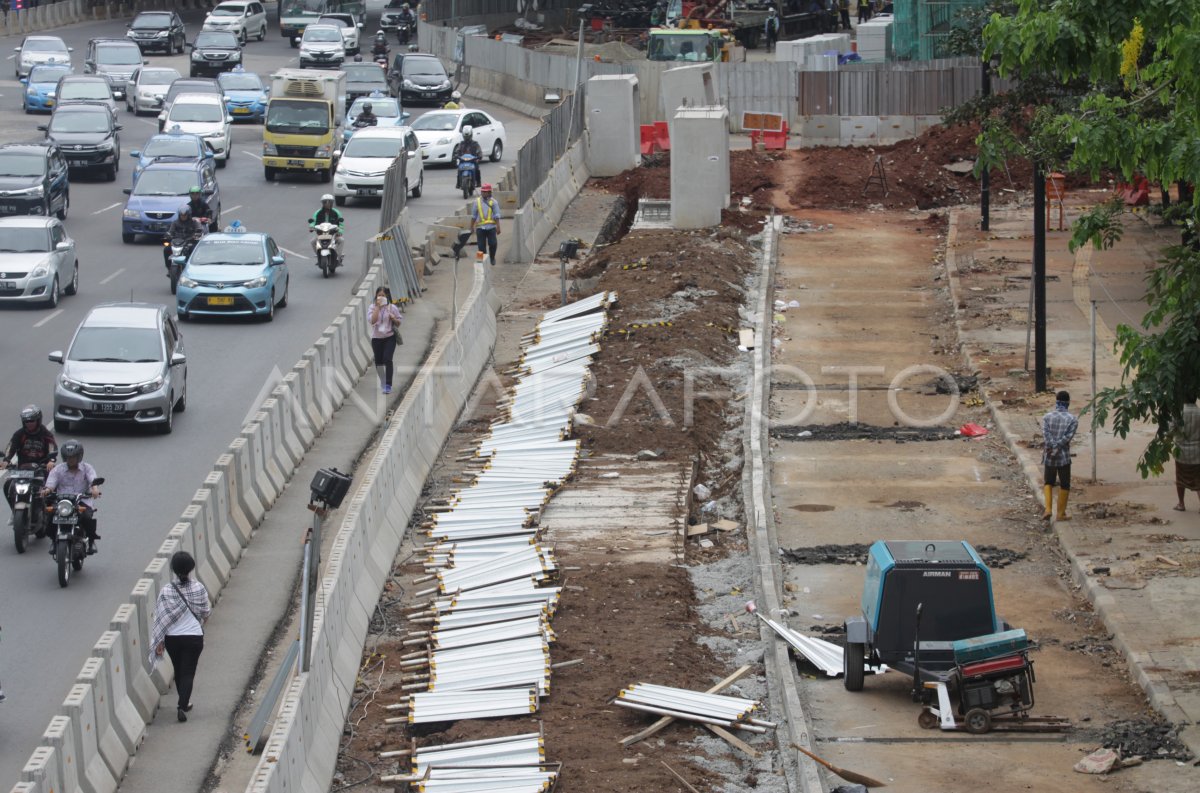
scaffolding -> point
(921, 27)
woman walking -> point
(385, 320)
(179, 617)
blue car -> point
(386, 108)
(174, 146)
(159, 192)
(234, 273)
(245, 95)
(41, 84)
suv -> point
(350, 28)
(419, 77)
(116, 58)
(161, 189)
(40, 49)
(214, 52)
(126, 363)
(87, 136)
(33, 180)
(158, 30)
(322, 46)
(244, 19)
(85, 89)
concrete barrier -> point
(533, 223)
(108, 743)
(283, 404)
(28, 787)
(144, 596)
(307, 392)
(224, 558)
(355, 315)
(141, 689)
(335, 384)
(225, 479)
(41, 771)
(218, 564)
(79, 708)
(286, 456)
(246, 485)
(66, 758)
(301, 422)
(262, 447)
(126, 719)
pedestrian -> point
(179, 617)
(384, 318)
(844, 13)
(864, 11)
(1058, 428)
(485, 222)
(1187, 462)
(771, 30)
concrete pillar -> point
(700, 181)
(686, 86)
(612, 110)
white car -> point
(322, 46)
(350, 27)
(203, 115)
(366, 158)
(243, 19)
(440, 132)
(41, 49)
(37, 259)
(146, 88)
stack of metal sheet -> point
(681, 703)
(515, 764)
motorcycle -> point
(381, 58)
(403, 31)
(327, 256)
(468, 174)
(70, 538)
(28, 509)
(176, 252)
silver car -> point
(126, 363)
(146, 88)
(37, 260)
(41, 49)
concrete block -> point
(254, 483)
(355, 316)
(282, 409)
(144, 595)
(43, 771)
(203, 521)
(893, 129)
(138, 684)
(300, 421)
(700, 182)
(79, 708)
(820, 131)
(267, 451)
(859, 130)
(324, 400)
(686, 86)
(613, 116)
(239, 473)
(66, 755)
(126, 721)
(108, 742)
(335, 384)
(230, 532)
(923, 123)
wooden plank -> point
(733, 739)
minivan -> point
(116, 58)
(33, 180)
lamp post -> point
(1039, 277)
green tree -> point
(1137, 63)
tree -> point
(1138, 113)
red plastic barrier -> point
(776, 140)
(662, 135)
(648, 139)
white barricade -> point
(80, 710)
(309, 392)
(127, 721)
(243, 483)
(282, 404)
(140, 687)
(41, 770)
(144, 595)
(323, 399)
(237, 528)
(108, 742)
(360, 347)
(301, 422)
(284, 457)
(266, 449)
(334, 381)
(28, 787)
(224, 559)
(66, 756)
(208, 551)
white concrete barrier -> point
(144, 596)
(285, 457)
(308, 392)
(536, 220)
(246, 484)
(108, 742)
(59, 737)
(185, 534)
(282, 403)
(80, 710)
(300, 420)
(266, 478)
(28, 787)
(41, 771)
(224, 559)
(335, 382)
(272, 458)
(142, 690)
(360, 348)
(338, 334)
(207, 548)
(126, 720)
(223, 481)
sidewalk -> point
(1137, 560)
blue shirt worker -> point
(1058, 428)
(485, 222)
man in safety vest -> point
(485, 222)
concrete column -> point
(686, 86)
(613, 117)
(700, 181)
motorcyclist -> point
(380, 47)
(366, 117)
(31, 446)
(75, 477)
(407, 23)
(455, 102)
(327, 214)
(183, 227)
(470, 146)
(200, 207)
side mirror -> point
(117, 127)
(127, 190)
(56, 356)
(360, 26)
(135, 154)
(145, 63)
(178, 359)
(98, 481)
(228, 119)
(16, 49)
(70, 49)
(42, 127)
(24, 81)
(412, 155)
(62, 246)
(277, 260)
(405, 115)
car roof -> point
(89, 106)
(173, 165)
(85, 78)
(151, 12)
(113, 42)
(123, 315)
(238, 3)
(26, 222)
(397, 131)
(319, 27)
(26, 148)
(176, 136)
(199, 99)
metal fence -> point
(395, 192)
(915, 88)
(560, 128)
(398, 264)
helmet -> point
(326, 197)
(31, 413)
(195, 190)
(381, 35)
(185, 210)
(358, 59)
(72, 449)
(404, 7)
(367, 107)
(468, 132)
(455, 95)
(485, 188)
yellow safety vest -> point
(489, 218)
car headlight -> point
(32, 192)
(162, 34)
(51, 94)
(237, 56)
(132, 214)
(446, 84)
(255, 283)
(323, 151)
(187, 283)
(39, 272)
(197, 55)
(339, 185)
(408, 84)
(443, 141)
(106, 145)
(153, 385)
(31, 91)
(69, 384)
(269, 149)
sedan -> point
(362, 168)
(245, 95)
(233, 274)
(173, 146)
(42, 85)
(147, 87)
(40, 49)
(203, 115)
(440, 133)
(37, 261)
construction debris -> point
(680, 703)
(824, 655)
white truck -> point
(300, 133)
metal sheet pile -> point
(481, 631)
(681, 703)
(514, 764)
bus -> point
(295, 15)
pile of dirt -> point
(1145, 738)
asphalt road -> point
(47, 631)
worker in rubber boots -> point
(1058, 428)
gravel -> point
(856, 553)
(1145, 738)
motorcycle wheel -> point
(173, 273)
(20, 521)
(77, 554)
(467, 191)
(62, 555)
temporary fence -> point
(398, 263)
(561, 127)
(395, 192)
(913, 88)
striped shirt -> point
(1058, 428)
(1189, 436)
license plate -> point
(220, 301)
(49, 103)
(241, 111)
(427, 94)
(7, 285)
(296, 162)
(367, 191)
(109, 407)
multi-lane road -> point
(48, 631)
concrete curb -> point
(803, 774)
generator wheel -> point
(927, 721)
(852, 665)
(977, 721)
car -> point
(116, 58)
(172, 146)
(161, 189)
(419, 77)
(233, 274)
(440, 133)
(366, 158)
(244, 20)
(350, 27)
(158, 30)
(85, 89)
(38, 263)
(322, 46)
(147, 87)
(204, 115)
(87, 137)
(245, 95)
(364, 79)
(186, 85)
(40, 49)
(214, 52)
(386, 109)
(41, 86)
(33, 180)
(125, 364)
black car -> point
(87, 137)
(214, 52)
(158, 30)
(419, 77)
(33, 180)
(364, 79)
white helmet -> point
(455, 96)
(326, 197)
(468, 131)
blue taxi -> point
(41, 84)
(386, 108)
(233, 273)
(245, 95)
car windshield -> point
(335, 21)
(43, 45)
(363, 73)
(41, 75)
(295, 117)
(215, 39)
(187, 111)
(85, 89)
(322, 34)
(414, 67)
(227, 252)
(119, 56)
(167, 182)
(152, 21)
(80, 122)
(436, 122)
(117, 345)
(22, 164)
(158, 76)
(171, 147)
(383, 108)
(374, 147)
(228, 11)
(305, 8)
(240, 82)
(24, 240)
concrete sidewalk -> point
(1137, 560)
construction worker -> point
(485, 222)
(658, 15)
(771, 29)
(455, 102)
(1058, 428)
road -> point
(47, 631)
